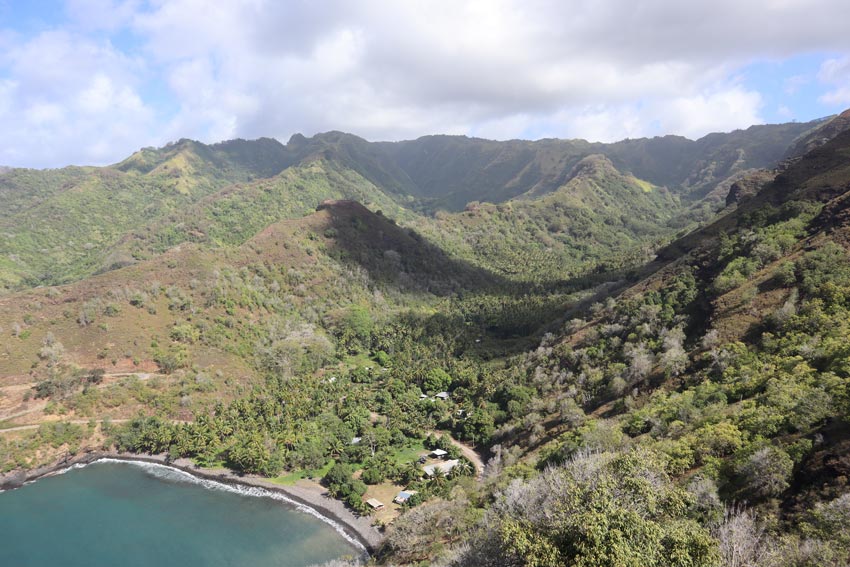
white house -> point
(444, 467)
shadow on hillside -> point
(404, 259)
(487, 304)
(399, 257)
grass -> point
(645, 185)
(220, 464)
(409, 453)
(293, 477)
(385, 492)
(361, 359)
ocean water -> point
(120, 514)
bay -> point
(111, 514)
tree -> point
(409, 472)
(640, 363)
(674, 359)
(596, 510)
(355, 327)
(766, 472)
(743, 542)
(337, 477)
(478, 427)
(372, 475)
(437, 380)
(462, 468)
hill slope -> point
(196, 312)
(450, 171)
(721, 374)
(62, 225)
(690, 412)
(599, 220)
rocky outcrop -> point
(820, 135)
(748, 187)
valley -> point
(614, 359)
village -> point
(387, 500)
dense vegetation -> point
(63, 225)
(684, 411)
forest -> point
(668, 387)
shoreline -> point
(329, 510)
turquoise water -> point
(118, 514)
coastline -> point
(329, 509)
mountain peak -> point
(342, 204)
(591, 165)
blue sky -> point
(91, 81)
(790, 87)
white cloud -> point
(723, 110)
(72, 100)
(837, 97)
(390, 70)
(836, 74)
(394, 70)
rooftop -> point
(443, 467)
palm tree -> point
(411, 471)
(438, 479)
(336, 446)
(201, 436)
(462, 468)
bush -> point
(372, 475)
(184, 333)
(827, 265)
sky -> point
(91, 81)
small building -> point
(445, 467)
(422, 396)
(438, 453)
(375, 504)
(403, 496)
(356, 440)
(442, 396)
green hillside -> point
(447, 172)
(720, 378)
(238, 212)
(599, 220)
(649, 383)
(62, 225)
